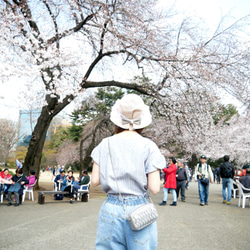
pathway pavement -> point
(61, 225)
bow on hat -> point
(125, 120)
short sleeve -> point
(96, 154)
(155, 159)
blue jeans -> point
(203, 191)
(227, 183)
(4, 188)
(165, 194)
(114, 231)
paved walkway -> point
(60, 225)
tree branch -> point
(54, 21)
(72, 30)
(142, 89)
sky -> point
(211, 11)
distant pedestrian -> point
(203, 174)
(217, 175)
(170, 183)
(227, 175)
(214, 176)
(181, 178)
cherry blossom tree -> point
(68, 153)
(8, 138)
(231, 138)
(68, 46)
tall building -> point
(27, 122)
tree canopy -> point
(65, 47)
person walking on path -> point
(127, 166)
(203, 174)
(227, 175)
(217, 175)
(170, 183)
(181, 178)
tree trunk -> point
(34, 154)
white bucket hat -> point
(131, 113)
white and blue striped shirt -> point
(132, 159)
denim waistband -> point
(126, 200)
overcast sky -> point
(211, 11)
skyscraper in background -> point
(27, 122)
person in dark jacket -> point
(59, 179)
(83, 181)
(217, 175)
(227, 175)
(19, 177)
(181, 180)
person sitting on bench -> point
(68, 185)
(60, 177)
(84, 180)
(20, 178)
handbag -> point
(142, 216)
(15, 188)
(205, 181)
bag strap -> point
(19, 179)
(200, 165)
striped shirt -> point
(132, 159)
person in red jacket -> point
(5, 175)
(170, 183)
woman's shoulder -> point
(24, 177)
(14, 177)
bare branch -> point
(72, 30)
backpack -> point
(227, 170)
(58, 196)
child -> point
(31, 178)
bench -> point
(41, 197)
